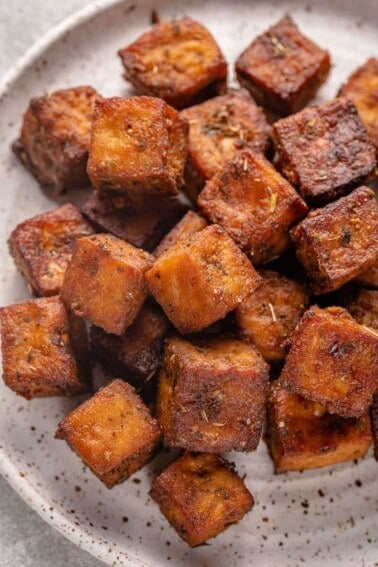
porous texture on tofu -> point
(199, 404)
(268, 317)
(42, 247)
(368, 278)
(113, 433)
(334, 361)
(282, 68)
(190, 223)
(254, 204)
(44, 350)
(362, 304)
(104, 282)
(324, 150)
(201, 495)
(302, 435)
(55, 137)
(374, 424)
(201, 279)
(178, 61)
(339, 241)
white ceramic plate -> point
(320, 517)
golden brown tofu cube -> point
(282, 68)
(302, 435)
(190, 223)
(268, 317)
(104, 282)
(178, 61)
(55, 137)
(362, 304)
(42, 247)
(254, 204)
(374, 424)
(138, 147)
(334, 361)
(113, 433)
(201, 495)
(44, 350)
(368, 278)
(219, 128)
(336, 243)
(200, 279)
(324, 150)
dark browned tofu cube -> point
(302, 435)
(254, 204)
(282, 68)
(368, 278)
(42, 247)
(138, 147)
(190, 223)
(113, 433)
(219, 128)
(374, 424)
(334, 361)
(44, 351)
(324, 150)
(178, 61)
(362, 304)
(201, 495)
(336, 243)
(268, 317)
(55, 138)
(199, 406)
(200, 279)
(104, 282)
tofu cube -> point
(190, 223)
(104, 282)
(336, 243)
(254, 204)
(44, 350)
(55, 137)
(368, 278)
(362, 304)
(324, 150)
(334, 361)
(201, 495)
(374, 424)
(302, 435)
(113, 433)
(200, 279)
(178, 61)
(282, 68)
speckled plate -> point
(320, 517)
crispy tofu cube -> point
(104, 282)
(219, 128)
(113, 433)
(368, 278)
(362, 304)
(201, 495)
(268, 317)
(334, 361)
(178, 61)
(55, 137)
(138, 147)
(336, 243)
(42, 247)
(324, 150)
(254, 204)
(374, 424)
(44, 350)
(283, 68)
(200, 279)
(190, 223)
(199, 406)
(302, 435)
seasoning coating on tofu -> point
(201, 495)
(44, 351)
(199, 406)
(55, 137)
(268, 317)
(336, 243)
(282, 68)
(190, 223)
(362, 304)
(138, 146)
(302, 435)
(104, 282)
(368, 278)
(178, 61)
(254, 204)
(334, 361)
(113, 433)
(324, 150)
(200, 279)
